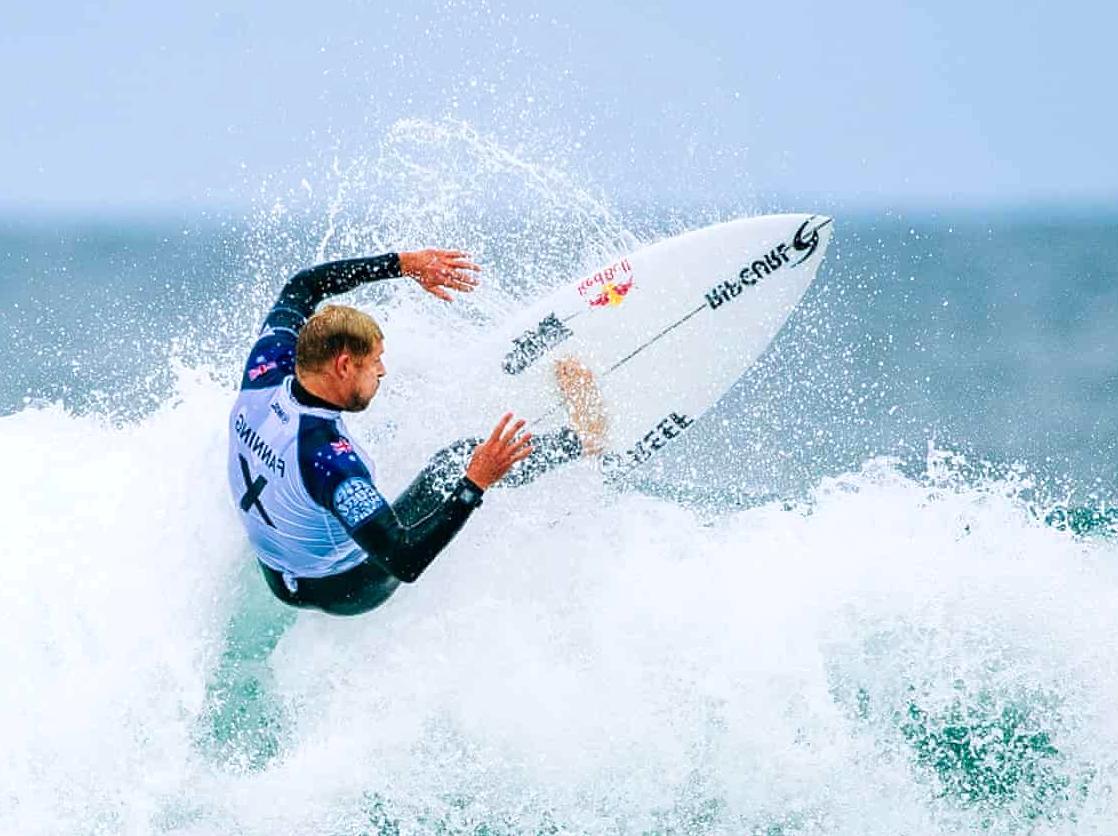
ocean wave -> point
(886, 653)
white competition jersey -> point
(294, 472)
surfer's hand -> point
(584, 404)
(493, 458)
(437, 270)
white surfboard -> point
(666, 330)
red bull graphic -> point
(607, 288)
(261, 370)
(612, 296)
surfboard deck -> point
(667, 330)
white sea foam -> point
(604, 662)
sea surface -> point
(872, 592)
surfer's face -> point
(364, 380)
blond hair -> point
(334, 329)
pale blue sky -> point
(133, 104)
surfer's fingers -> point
(447, 275)
(495, 436)
(518, 448)
(510, 434)
(458, 259)
(452, 278)
(524, 443)
(463, 263)
(436, 290)
(520, 454)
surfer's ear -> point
(343, 364)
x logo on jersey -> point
(253, 489)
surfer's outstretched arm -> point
(273, 356)
(307, 288)
(435, 270)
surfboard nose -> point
(825, 226)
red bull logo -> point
(260, 370)
(607, 288)
(612, 296)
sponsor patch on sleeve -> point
(356, 499)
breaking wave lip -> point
(888, 653)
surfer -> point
(324, 535)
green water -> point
(243, 726)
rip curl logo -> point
(805, 241)
(751, 274)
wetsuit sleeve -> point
(273, 356)
(338, 480)
(406, 550)
(303, 291)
